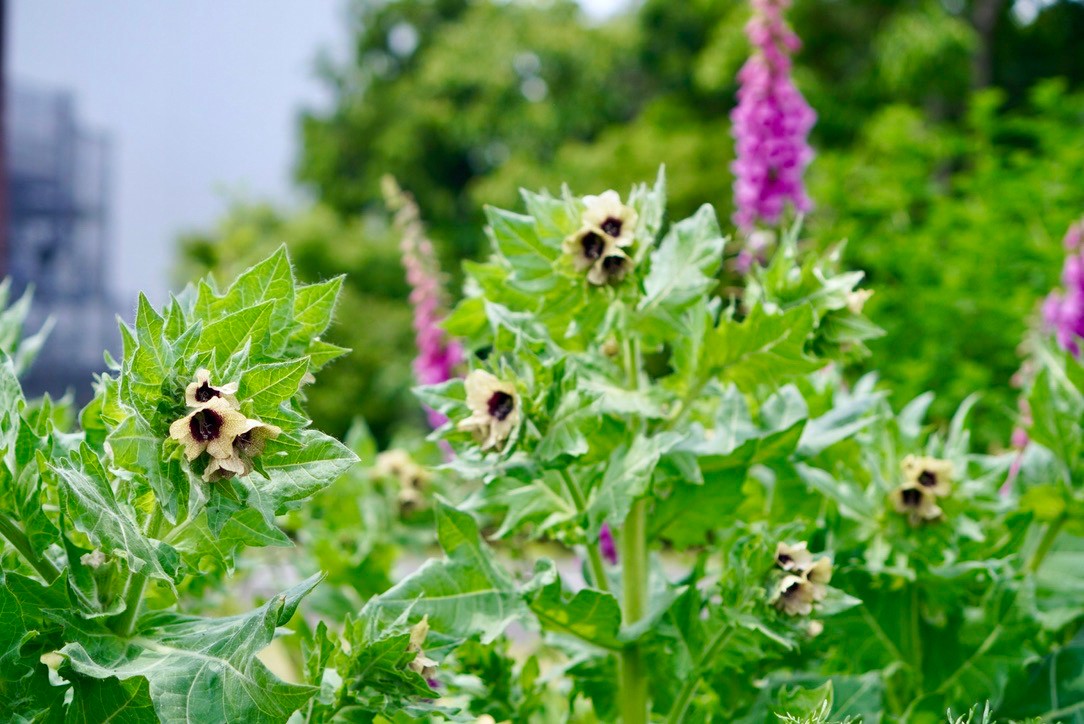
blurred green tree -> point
(952, 201)
(373, 319)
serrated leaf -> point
(269, 385)
(516, 239)
(244, 529)
(763, 349)
(321, 352)
(626, 478)
(590, 615)
(96, 701)
(88, 501)
(314, 306)
(229, 334)
(206, 670)
(684, 266)
(296, 472)
(138, 450)
(542, 501)
(465, 594)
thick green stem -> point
(634, 700)
(124, 624)
(18, 539)
(681, 704)
(594, 558)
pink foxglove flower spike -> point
(438, 356)
(1064, 312)
(770, 124)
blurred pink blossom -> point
(770, 124)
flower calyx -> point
(421, 664)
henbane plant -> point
(194, 442)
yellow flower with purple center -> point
(494, 407)
(805, 581)
(248, 444)
(211, 427)
(931, 473)
(792, 557)
(794, 595)
(917, 502)
(202, 391)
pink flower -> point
(438, 355)
(771, 124)
(606, 544)
(1063, 312)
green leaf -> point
(321, 352)
(806, 705)
(206, 670)
(88, 501)
(271, 282)
(296, 471)
(138, 450)
(314, 306)
(684, 266)
(627, 478)
(199, 545)
(229, 334)
(763, 349)
(269, 385)
(572, 418)
(590, 615)
(516, 239)
(542, 501)
(23, 606)
(466, 594)
(110, 700)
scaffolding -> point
(58, 233)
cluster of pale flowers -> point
(804, 580)
(924, 481)
(599, 246)
(397, 465)
(215, 425)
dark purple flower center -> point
(500, 405)
(612, 226)
(592, 246)
(205, 425)
(613, 265)
(912, 497)
(927, 478)
(205, 392)
(783, 559)
(792, 589)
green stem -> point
(598, 570)
(634, 700)
(18, 539)
(916, 638)
(1050, 534)
(677, 714)
(124, 624)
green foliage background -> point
(947, 156)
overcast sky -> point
(200, 98)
